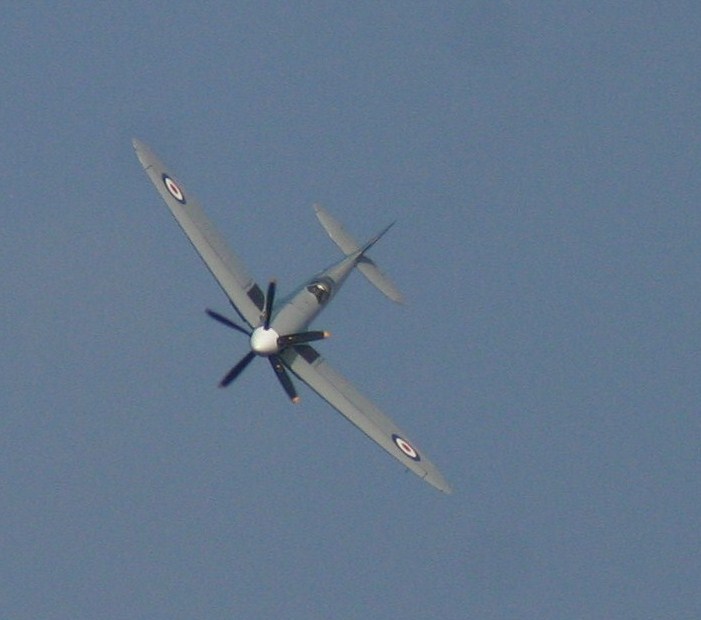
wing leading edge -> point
(314, 370)
(244, 294)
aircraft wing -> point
(245, 295)
(311, 368)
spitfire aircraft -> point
(279, 331)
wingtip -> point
(436, 480)
(143, 152)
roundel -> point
(406, 447)
(173, 189)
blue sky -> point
(541, 161)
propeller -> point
(284, 378)
(238, 369)
(302, 338)
(264, 343)
(228, 322)
(269, 298)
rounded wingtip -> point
(436, 480)
(142, 152)
(442, 485)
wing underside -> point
(315, 371)
(245, 295)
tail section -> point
(365, 265)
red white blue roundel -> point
(406, 447)
(173, 189)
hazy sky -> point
(540, 159)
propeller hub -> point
(264, 341)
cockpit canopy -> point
(321, 289)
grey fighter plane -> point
(280, 331)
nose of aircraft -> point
(264, 341)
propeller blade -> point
(223, 320)
(284, 378)
(301, 338)
(237, 370)
(269, 298)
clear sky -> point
(541, 160)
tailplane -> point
(365, 265)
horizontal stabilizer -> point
(365, 265)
